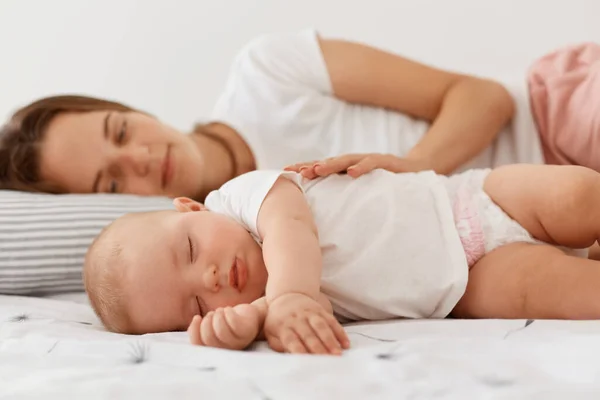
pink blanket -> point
(565, 98)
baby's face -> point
(179, 264)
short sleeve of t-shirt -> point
(241, 198)
(279, 98)
(293, 60)
(274, 71)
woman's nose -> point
(135, 159)
(211, 279)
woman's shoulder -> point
(264, 47)
(273, 60)
(273, 80)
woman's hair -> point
(21, 138)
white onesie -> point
(389, 242)
(393, 245)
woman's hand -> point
(356, 165)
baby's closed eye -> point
(192, 250)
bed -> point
(55, 347)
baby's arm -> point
(296, 319)
(290, 242)
(233, 328)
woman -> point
(289, 98)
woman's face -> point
(119, 152)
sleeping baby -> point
(277, 256)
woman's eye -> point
(192, 249)
(122, 133)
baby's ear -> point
(184, 204)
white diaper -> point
(482, 225)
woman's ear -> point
(184, 204)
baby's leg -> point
(529, 281)
(556, 204)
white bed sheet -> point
(56, 348)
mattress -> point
(56, 348)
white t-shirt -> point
(279, 97)
(389, 243)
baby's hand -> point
(227, 328)
(296, 323)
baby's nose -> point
(211, 278)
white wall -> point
(171, 57)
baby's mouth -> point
(234, 279)
(238, 275)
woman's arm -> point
(466, 112)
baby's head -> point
(152, 272)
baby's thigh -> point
(499, 284)
(542, 197)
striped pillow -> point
(44, 237)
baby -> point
(272, 254)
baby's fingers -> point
(310, 338)
(207, 331)
(291, 342)
(194, 331)
(325, 333)
(276, 344)
(235, 321)
(223, 331)
(338, 330)
(243, 325)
